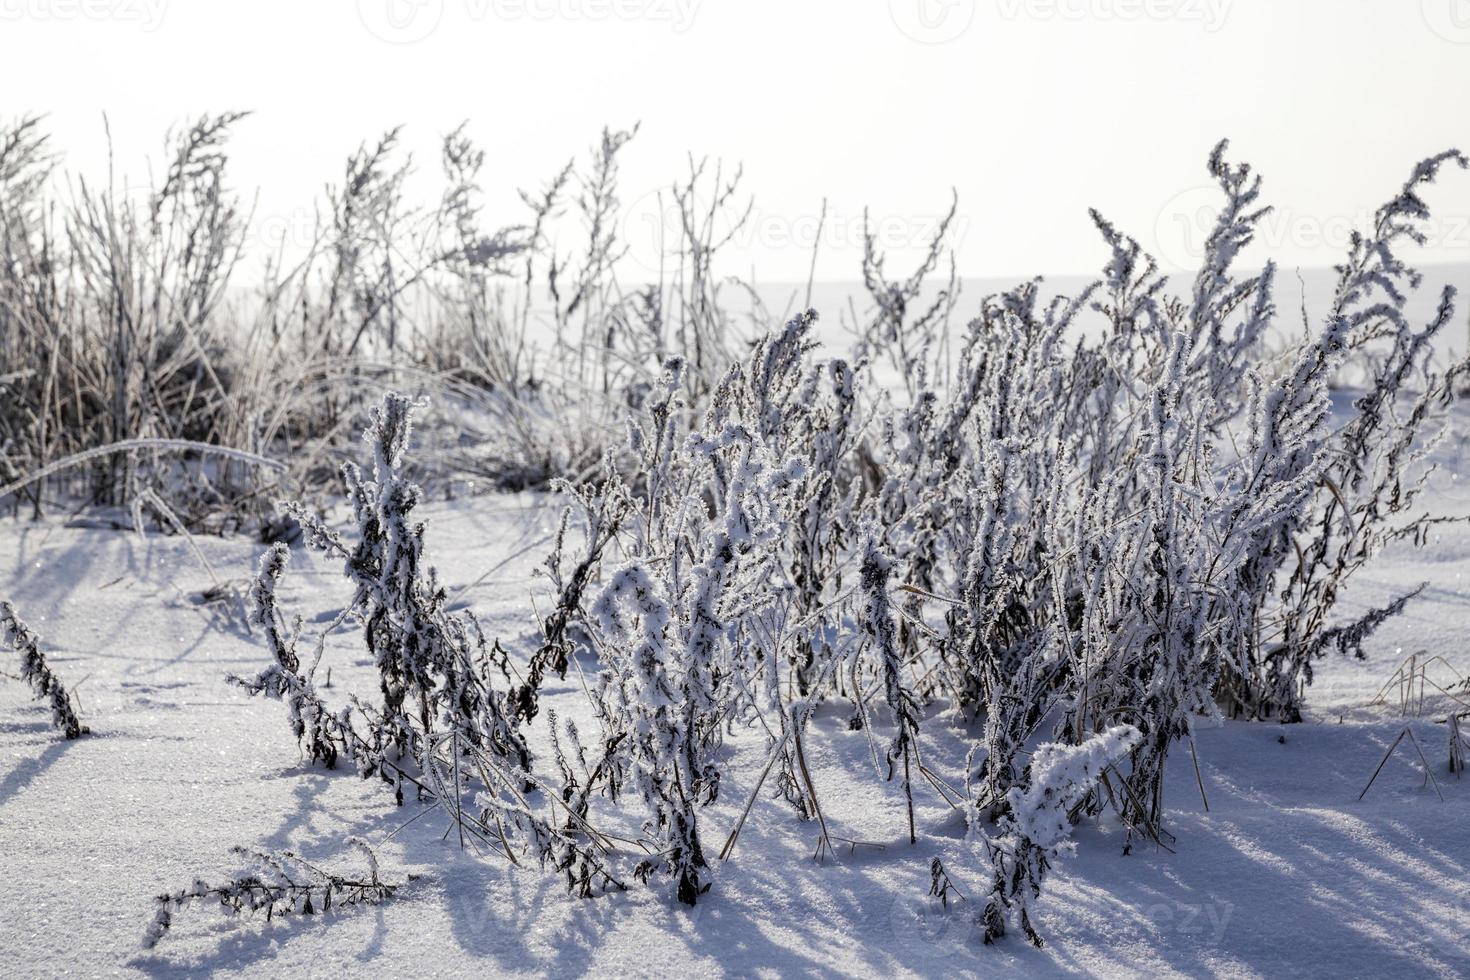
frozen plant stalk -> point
(38, 674)
(1037, 829)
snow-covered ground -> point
(1285, 872)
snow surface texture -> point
(1287, 871)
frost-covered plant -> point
(480, 790)
(36, 672)
(1378, 460)
(1268, 493)
(1157, 665)
(653, 697)
(976, 484)
(670, 665)
(281, 883)
(903, 326)
(1004, 500)
(433, 665)
(319, 732)
(1175, 554)
(826, 412)
(442, 729)
(1037, 827)
(876, 620)
(603, 510)
(1126, 527)
(704, 563)
(1228, 316)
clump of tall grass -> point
(135, 328)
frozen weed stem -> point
(36, 672)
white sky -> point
(1033, 109)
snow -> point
(1287, 871)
